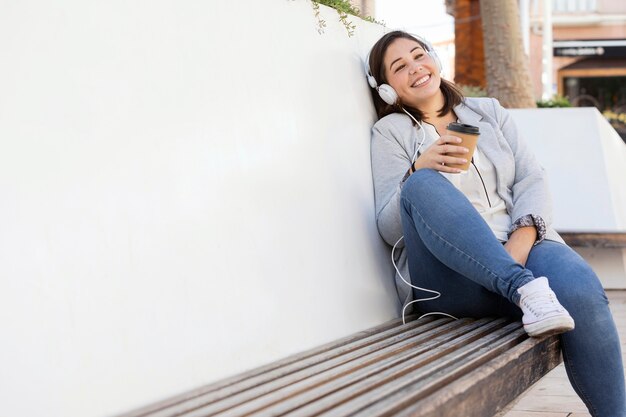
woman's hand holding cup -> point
(436, 156)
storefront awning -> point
(596, 63)
(610, 48)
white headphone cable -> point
(421, 128)
(437, 293)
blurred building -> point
(469, 64)
(589, 54)
(446, 51)
(589, 51)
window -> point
(574, 6)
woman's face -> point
(411, 72)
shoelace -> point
(541, 303)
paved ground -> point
(553, 396)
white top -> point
(485, 199)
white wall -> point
(183, 184)
(585, 160)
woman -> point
(482, 241)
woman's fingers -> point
(444, 152)
(445, 149)
(453, 159)
(441, 162)
(448, 139)
(447, 169)
(450, 160)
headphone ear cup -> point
(388, 94)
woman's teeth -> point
(421, 81)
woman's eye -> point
(419, 56)
(399, 67)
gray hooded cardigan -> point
(521, 181)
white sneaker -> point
(543, 314)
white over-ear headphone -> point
(385, 91)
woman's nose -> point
(414, 67)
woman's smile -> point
(413, 74)
(421, 81)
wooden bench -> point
(595, 239)
(427, 367)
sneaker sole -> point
(550, 326)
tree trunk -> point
(508, 73)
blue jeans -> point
(451, 249)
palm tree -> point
(506, 64)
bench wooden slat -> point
(341, 364)
(316, 387)
(256, 385)
(428, 381)
(348, 387)
(379, 400)
(383, 371)
(492, 387)
(595, 240)
(185, 396)
(341, 401)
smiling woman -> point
(412, 57)
(479, 242)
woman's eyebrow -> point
(398, 59)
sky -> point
(426, 18)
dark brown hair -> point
(451, 94)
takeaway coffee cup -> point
(469, 135)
